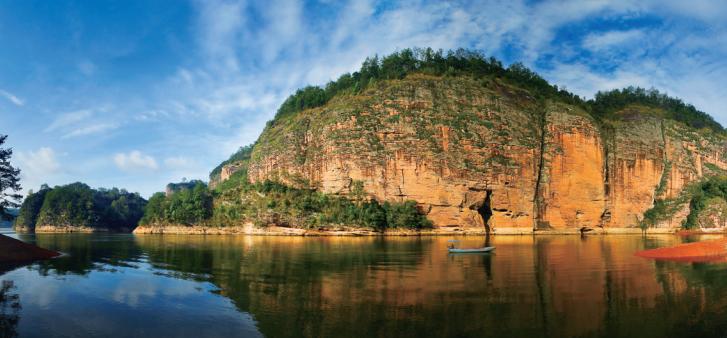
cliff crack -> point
(538, 206)
(485, 210)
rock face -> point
(475, 153)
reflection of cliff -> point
(9, 310)
(545, 286)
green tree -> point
(154, 211)
(9, 182)
(30, 208)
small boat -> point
(473, 250)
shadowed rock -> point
(13, 251)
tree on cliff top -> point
(9, 182)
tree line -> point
(237, 201)
(605, 104)
(464, 62)
(426, 61)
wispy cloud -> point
(68, 119)
(90, 129)
(12, 98)
(80, 123)
(135, 161)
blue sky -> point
(136, 94)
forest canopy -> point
(79, 205)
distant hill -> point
(8, 224)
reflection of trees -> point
(283, 281)
(695, 293)
(9, 310)
(85, 252)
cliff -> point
(480, 153)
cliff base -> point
(250, 229)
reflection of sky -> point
(124, 302)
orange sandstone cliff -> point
(476, 153)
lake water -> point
(253, 286)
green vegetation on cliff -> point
(704, 193)
(269, 202)
(460, 62)
(241, 155)
(464, 62)
(706, 199)
(185, 206)
(236, 201)
(605, 104)
(78, 205)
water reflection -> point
(545, 286)
(9, 310)
(84, 253)
(570, 286)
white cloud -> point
(37, 167)
(12, 98)
(135, 161)
(601, 41)
(220, 22)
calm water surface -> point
(227, 286)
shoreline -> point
(344, 231)
(272, 230)
(50, 229)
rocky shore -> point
(73, 229)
